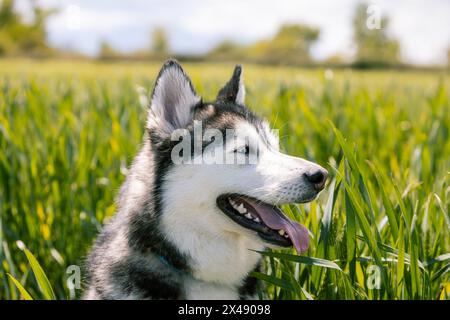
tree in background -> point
(291, 45)
(374, 47)
(226, 50)
(107, 51)
(160, 42)
(20, 38)
(158, 49)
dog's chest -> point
(225, 262)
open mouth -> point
(265, 219)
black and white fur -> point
(168, 239)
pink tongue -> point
(275, 219)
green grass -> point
(69, 130)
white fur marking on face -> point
(272, 136)
(279, 177)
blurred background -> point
(309, 33)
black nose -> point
(317, 178)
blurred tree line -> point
(291, 45)
(20, 38)
(158, 48)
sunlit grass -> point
(69, 130)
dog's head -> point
(218, 166)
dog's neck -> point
(220, 257)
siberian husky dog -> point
(190, 229)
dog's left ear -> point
(173, 100)
(234, 90)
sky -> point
(195, 26)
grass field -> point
(380, 230)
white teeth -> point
(286, 235)
(241, 209)
(257, 220)
(281, 232)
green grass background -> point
(68, 131)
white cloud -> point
(422, 27)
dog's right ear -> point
(234, 90)
(173, 100)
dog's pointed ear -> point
(234, 90)
(173, 100)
